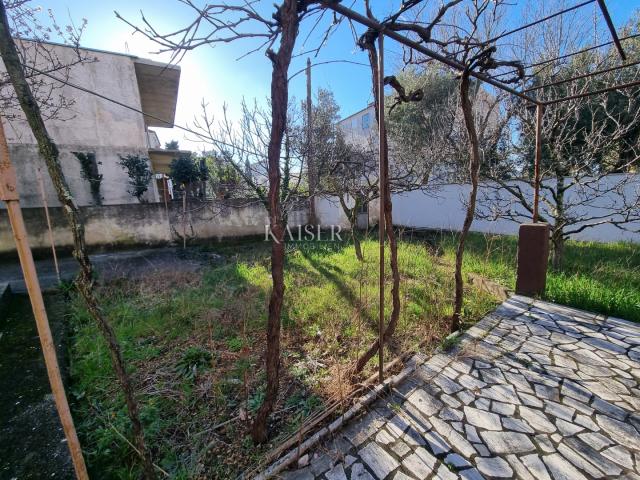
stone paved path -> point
(534, 391)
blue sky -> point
(215, 74)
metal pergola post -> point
(382, 137)
(9, 194)
(612, 28)
(536, 164)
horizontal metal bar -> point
(567, 55)
(594, 92)
(380, 28)
(540, 20)
(584, 75)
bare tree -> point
(351, 176)
(590, 144)
(30, 106)
(39, 57)
(234, 21)
(465, 36)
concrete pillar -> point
(533, 255)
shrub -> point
(139, 173)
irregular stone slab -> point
(561, 469)
(536, 467)
(321, 463)
(437, 444)
(575, 390)
(446, 384)
(494, 467)
(378, 460)
(605, 345)
(397, 425)
(567, 428)
(456, 460)
(384, 438)
(591, 455)
(609, 409)
(359, 432)
(559, 410)
(336, 473)
(456, 440)
(471, 474)
(507, 442)
(444, 473)
(544, 443)
(622, 433)
(482, 419)
(516, 425)
(416, 466)
(579, 461)
(358, 472)
(620, 455)
(501, 393)
(586, 422)
(503, 408)
(537, 420)
(402, 476)
(426, 403)
(521, 471)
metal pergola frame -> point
(540, 105)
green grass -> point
(195, 346)
(194, 343)
(600, 277)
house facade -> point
(93, 133)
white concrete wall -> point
(445, 208)
(90, 124)
(329, 212)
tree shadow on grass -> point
(342, 287)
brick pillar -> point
(533, 255)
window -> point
(366, 121)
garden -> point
(194, 342)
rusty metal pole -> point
(43, 195)
(311, 166)
(536, 166)
(184, 216)
(9, 194)
(382, 137)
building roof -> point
(158, 84)
(161, 159)
(362, 110)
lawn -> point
(194, 344)
(600, 277)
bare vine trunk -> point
(388, 220)
(474, 169)
(288, 18)
(49, 152)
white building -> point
(97, 129)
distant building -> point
(361, 128)
(99, 131)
